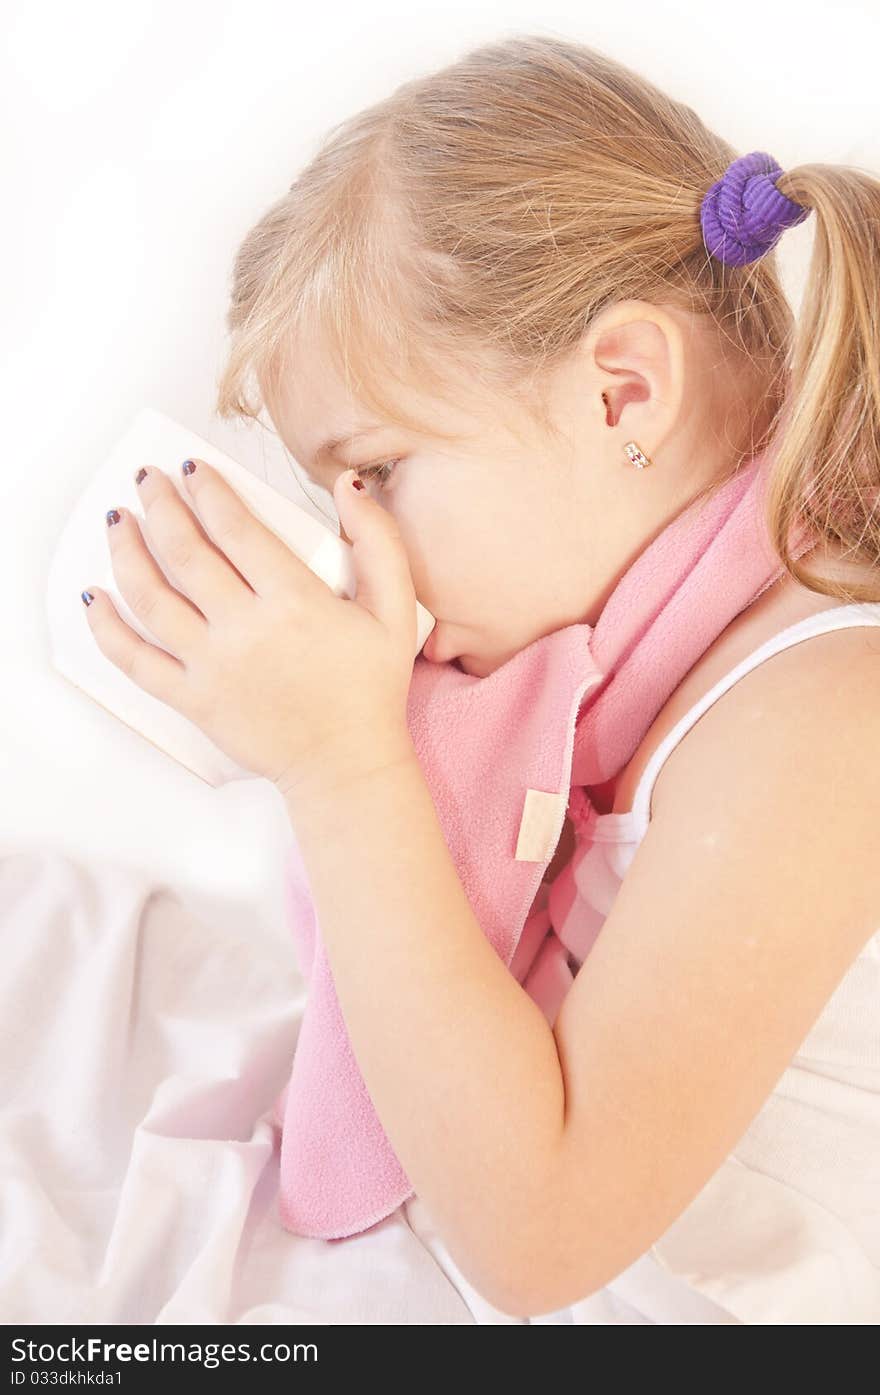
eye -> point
(380, 473)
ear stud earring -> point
(637, 457)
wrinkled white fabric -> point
(142, 1049)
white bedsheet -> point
(144, 1043)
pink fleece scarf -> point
(500, 755)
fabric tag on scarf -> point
(539, 825)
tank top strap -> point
(835, 618)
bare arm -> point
(460, 1063)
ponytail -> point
(826, 461)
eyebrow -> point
(333, 444)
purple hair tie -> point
(744, 214)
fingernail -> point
(188, 466)
(140, 476)
(113, 516)
(357, 483)
(86, 597)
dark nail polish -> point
(113, 516)
(86, 597)
(188, 466)
(357, 484)
(140, 476)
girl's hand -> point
(291, 681)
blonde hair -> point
(482, 215)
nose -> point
(432, 649)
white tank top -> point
(788, 1229)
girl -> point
(498, 296)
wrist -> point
(317, 794)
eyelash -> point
(381, 473)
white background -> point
(140, 142)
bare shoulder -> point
(802, 727)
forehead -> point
(312, 404)
(313, 408)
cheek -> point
(456, 556)
(428, 538)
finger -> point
(158, 673)
(172, 618)
(200, 570)
(381, 564)
(267, 564)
